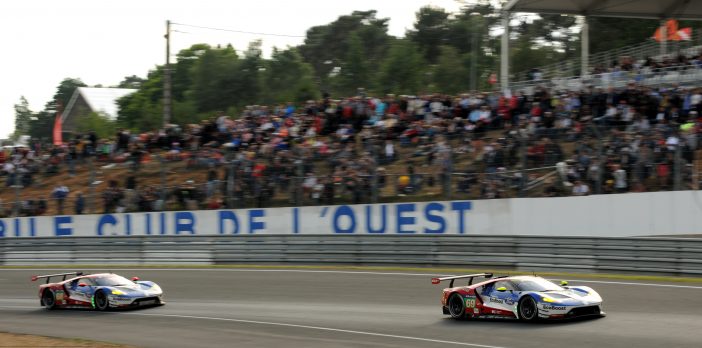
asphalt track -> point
(307, 308)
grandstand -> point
(431, 147)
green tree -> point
(23, 118)
(354, 70)
(403, 70)
(248, 77)
(132, 82)
(430, 31)
(288, 78)
(215, 79)
(143, 110)
(42, 125)
(526, 55)
(181, 73)
(101, 124)
(327, 46)
(609, 33)
(450, 76)
(64, 92)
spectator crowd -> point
(487, 145)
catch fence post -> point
(18, 193)
(91, 201)
(299, 180)
(162, 193)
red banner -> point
(57, 130)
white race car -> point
(519, 297)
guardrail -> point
(669, 256)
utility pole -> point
(167, 78)
(474, 49)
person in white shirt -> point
(309, 183)
(620, 180)
(580, 189)
(389, 151)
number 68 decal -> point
(470, 302)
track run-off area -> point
(248, 307)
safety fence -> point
(641, 255)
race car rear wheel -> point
(456, 307)
(528, 311)
(48, 299)
(100, 301)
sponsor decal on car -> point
(554, 308)
(505, 301)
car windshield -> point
(535, 284)
(111, 280)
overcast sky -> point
(100, 42)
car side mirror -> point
(82, 285)
(501, 289)
(564, 283)
(135, 279)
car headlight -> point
(117, 292)
(548, 299)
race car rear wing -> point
(469, 276)
(48, 276)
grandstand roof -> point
(101, 100)
(652, 9)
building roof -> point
(652, 9)
(100, 100)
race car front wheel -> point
(48, 299)
(527, 309)
(101, 302)
(456, 307)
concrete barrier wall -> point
(621, 215)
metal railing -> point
(685, 75)
(655, 256)
(637, 52)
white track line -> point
(639, 284)
(342, 272)
(319, 328)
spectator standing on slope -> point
(59, 194)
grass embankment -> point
(20, 340)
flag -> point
(57, 130)
(673, 32)
(685, 34)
